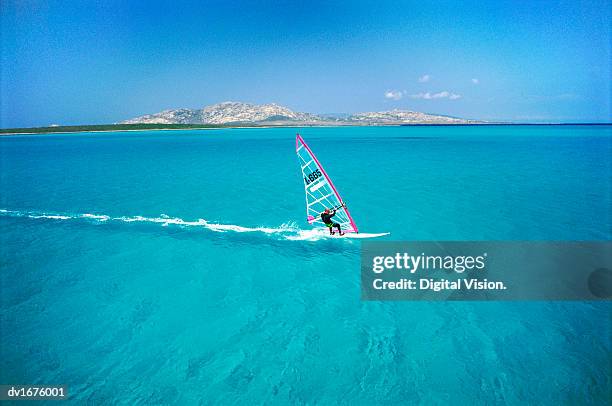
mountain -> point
(406, 117)
(273, 114)
(226, 113)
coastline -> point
(189, 127)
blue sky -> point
(70, 62)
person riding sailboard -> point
(327, 215)
(324, 206)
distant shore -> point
(104, 128)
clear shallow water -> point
(176, 266)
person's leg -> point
(331, 229)
(337, 225)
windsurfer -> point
(326, 217)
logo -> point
(311, 177)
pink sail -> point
(320, 192)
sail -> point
(320, 192)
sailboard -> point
(320, 192)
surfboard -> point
(321, 193)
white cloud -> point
(475, 81)
(421, 96)
(440, 95)
(424, 78)
(394, 94)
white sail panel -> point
(320, 192)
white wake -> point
(288, 231)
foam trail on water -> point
(99, 217)
(288, 231)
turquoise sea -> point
(176, 267)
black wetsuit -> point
(326, 217)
